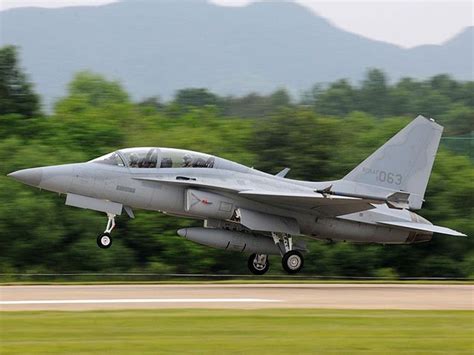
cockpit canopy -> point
(157, 158)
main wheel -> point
(104, 240)
(256, 266)
(292, 261)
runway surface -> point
(243, 296)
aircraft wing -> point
(423, 227)
(329, 206)
(186, 181)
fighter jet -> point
(249, 211)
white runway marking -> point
(246, 296)
(143, 300)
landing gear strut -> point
(258, 264)
(104, 240)
(292, 260)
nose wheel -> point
(258, 264)
(104, 240)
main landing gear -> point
(292, 260)
(104, 240)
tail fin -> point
(404, 163)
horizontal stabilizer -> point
(423, 227)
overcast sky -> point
(403, 22)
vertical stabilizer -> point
(404, 163)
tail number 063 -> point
(388, 177)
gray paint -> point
(229, 240)
(357, 208)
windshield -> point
(110, 159)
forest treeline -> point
(321, 135)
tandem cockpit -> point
(148, 158)
(152, 158)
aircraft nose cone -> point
(182, 232)
(28, 176)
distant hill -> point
(157, 47)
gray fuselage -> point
(126, 185)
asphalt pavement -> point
(238, 296)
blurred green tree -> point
(95, 116)
(374, 93)
(321, 138)
(339, 99)
(16, 92)
(195, 97)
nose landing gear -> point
(258, 264)
(104, 240)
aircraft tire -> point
(104, 240)
(255, 268)
(293, 261)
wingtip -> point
(283, 173)
(453, 233)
